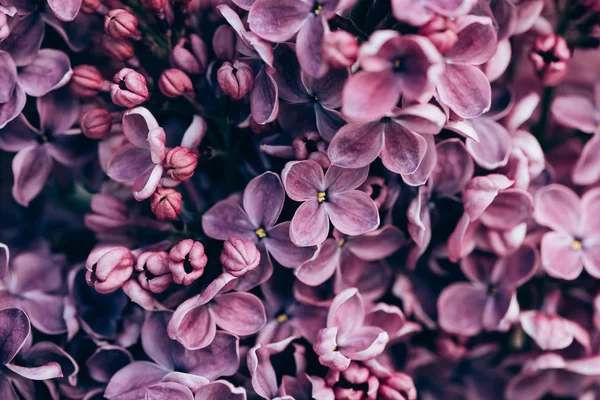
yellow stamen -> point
(260, 232)
(334, 349)
(341, 242)
(396, 63)
(281, 318)
(576, 245)
(321, 197)
(318, 9)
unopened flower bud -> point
(187, 261)
(174, 82)
(129, 89)
(120, 50)
(239, 256)
(550, 57)
(189, 55)
(441, 31)
(87, 81)
(340, 49)
(156, 6)
(376, 189)
(93, 6)
(155, 275)
(166, 204)
(139, 295)
(224, 41)
(236, 80)
(311, 146)
(180, 163)
(120, 24)
(398, 386)
(108, 268)
(96, 123)
(4, 27)
(108, 213)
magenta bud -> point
(187, 261)
(108, 213)
(120, 50)
(108, 268)
(129, 89)
(139, 295)
(91, 6)
(224, 41)
(441, 31)
(550, 58)
(239, 256)
(96, 123)
(174, 82)
(4, 28)
(189, 55)
(120, 24)
(156, 6)
(398, 386)
(180, 163)
(356, 374)
(340, 49)
(86, 81)
(155, 275)
(236, 80)
(166, 204)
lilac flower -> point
(398, 139)
(463, 86)
(63, 10)
(580, 113)
(346, 336)
(572, 244)
(392, 66)
(39, 148)
(420, 12)
(141, 160)
(279, 21)
(171, 362)
(468, 308)
(330, 196)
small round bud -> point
(166, 204)
(91, 6)
(120, 24)
(86, 81)
(224, 41)
(155, 275)
(187, 261)
(174, 82)
(180, 163)
(120, 50)
(398, 386)
(340, 49)
(108, 268)
(96, 123)
(441, 31)
(550, 58)
(129, 89)
(239, 256)
(235, 80)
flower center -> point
(397, 65)
(260, 232)
(321, 197)
(335, 348)
(317, 8)
(281, 318)
(341, 242)
(492, 289)
(576, 245)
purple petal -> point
(340, 180)
(41, 373)
(45, 355)
(481, 192)
(370, 278)
(8, 70)
(222, 390)
(460, 309)
(497, 308)
(369, 96)
(263, 98)
(14, 330)
(106, 361)
(145, 184)
(65, 10)
(129, 162)
(327, 89)
(587, 169)
(279, 245)
(516, 269)
(192, 325)
(356, 145)
(558, 208)
(477, 41)
(419, 219)
(423, 172)
(50, 70)
(559, 259)
(392, 320)
(137, 123)
(130, 383)
(261, 273)
(303, 179)
(453, 170)
(25, 39)
(352, 213)
(378, 244)
(226, 219)
(45, 311)
(575, 112)
(31, 169)
(551, 332)
(168, 390)
(263, 199)
(365, 343)
(510, 208)
(347, 312)
(59, 111)
(4, 260)
(317, 270)
(425, 119)
(278, 21)
(239, 313)
(328, 122)
(403, 150)
(221, 358)
(465, 89)
(493, 149)
(11, 109)
(309, 46)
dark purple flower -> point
(327, 197)
(254, 217)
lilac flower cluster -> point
(300, 199)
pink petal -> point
(559, 259)
(50, 70)
(425, 119)
(279, 245)
(591, 256)
(14, 331)
(356, 145)
(145, 184)
(309, 46)
(587, 169)
(317, 270)
(263, 199)
(310, 224)
(550, 332)
(59, 111)
(368, 96)
(346, 312)
(454, 168)
(493, 149)
(477, 41)
(65, 10)
(137, 123)
(377, 245)
(460, 309)
(340, 180)
(129, 162)
(465, 89)
(429, 162)
(365, 343)
(278, 21)
(558, 208)
(575, 112)
(352, 213)
(239, 313)
(403, 150)
(131, 382)
(192, 325)
(303, 179)
(510, 208)
(226, 219)
(31, 168)
(264, 105)
(169, 390)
